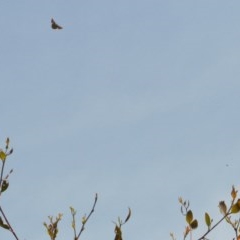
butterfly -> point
(55, 25)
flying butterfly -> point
(55, 25)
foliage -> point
(4, 184)
(119, 224)
(52, 226)
(84, 219)
(228, 214)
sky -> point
(134, 100)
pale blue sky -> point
(135, 100)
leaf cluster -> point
(4, 184)
(52, 226)
(84, 219)
(227, 214)
(119, 224)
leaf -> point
(118, 233)
(2, 155)
(5, 185)
(233, 193)
(223, 208)
(73, 211)
(207, 220)
(84, 220)
(194, 224)
(189, 216)
(128, 216)
(3, 225)
(7, 143)
(1, 221)
(52, 227)
(236, 207)
(10, 152)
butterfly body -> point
(55, 25)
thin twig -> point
(89, 215)
(74, 223)
(224, 217)
(1, 185)
(1, 177)
(9, 225)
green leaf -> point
(2, 155)
(194, 224)
(236, 207)
(73, 211)
(3, 225)
(128, 216)
(189, 217)
(5, 185)
(207, 220)
(7, 143)
(10, 152)
(118, 233)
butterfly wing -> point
(55, 25)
